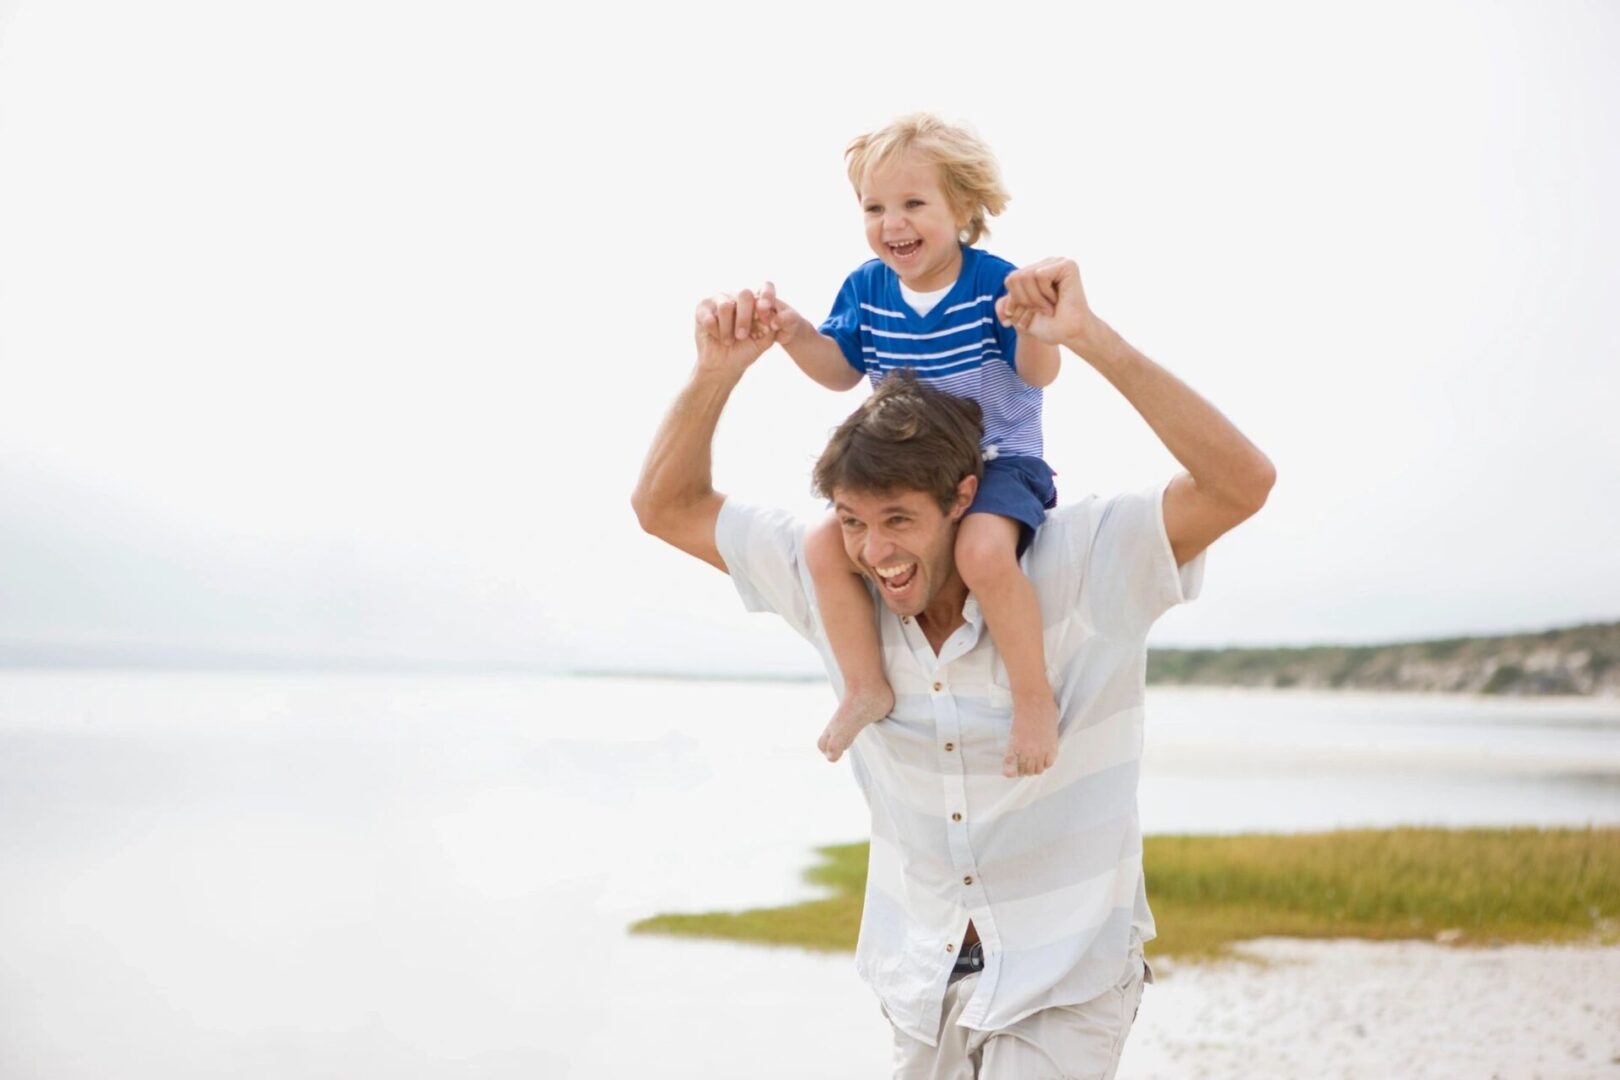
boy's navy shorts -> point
(1020, 488)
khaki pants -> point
(1067, 1042)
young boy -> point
(927, 304)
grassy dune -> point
(1470, 886)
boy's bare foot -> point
(1033, 746)
(862, 705)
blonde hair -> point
(968, 173)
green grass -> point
(1482, 885)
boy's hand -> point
(1047, 301)
(782, 319)
(730, 335)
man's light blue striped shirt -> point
(1048, 868)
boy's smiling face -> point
(911, 225)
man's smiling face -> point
(903, 542)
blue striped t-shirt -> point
(959, 346)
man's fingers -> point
(1046, 285)
(1039, 294)
(1062, 275)
(725, 314)
(1022, 292)
(745, 315)
(706, 319)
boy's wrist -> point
(802, 333)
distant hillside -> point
(1575, 660)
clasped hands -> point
(1045, 300)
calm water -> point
(319, 876)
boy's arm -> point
(1227, 478)
(675, 498)
(817, 355)
(1037, 362)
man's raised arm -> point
(1227, 478)
(675, 499)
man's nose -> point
(876, 549)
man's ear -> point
(965, 491)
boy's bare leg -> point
(987, 558)
(851, 624)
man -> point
(1004, 918)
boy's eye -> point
(873, 208)
(912, 204)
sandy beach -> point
(1291, 1009)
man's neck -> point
(943, 615)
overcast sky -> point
(341, 327)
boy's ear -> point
(964, 216)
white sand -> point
(1364, 1009)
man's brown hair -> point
(906, 437)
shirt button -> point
(938, 687)
(906, 619)
(956, 817)
(950, 948)
(968, 880)
(949, 747)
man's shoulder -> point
(741, 521)
(762, 547)
(1067, 517)
(1062, 542)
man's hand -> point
(729, 334)
(771, 310)
(1046, 301)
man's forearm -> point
(678, 472)
(675, 499)
(1223, 462)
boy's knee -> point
(824, 546)
(987, 551)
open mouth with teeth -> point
(905, 249)
(896, 579)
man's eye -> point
(850, 523)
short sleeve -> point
(993, 283)
(1131, 577)
(763, 550)
(843, 325)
